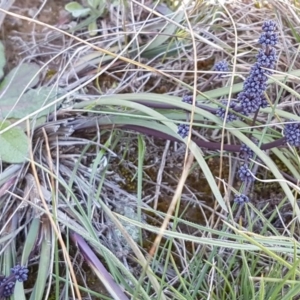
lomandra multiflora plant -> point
(247, 104)
(252, 98)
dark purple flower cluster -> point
(291, 133)
(264, 102)
(187, 99)
(8, 288)
(21, 273)
(221, 66)
(241, 199)
(252, 98)
(245, 152)
(249, 104)
(222, 110)
(7, 284)
(269, 35)
(267, 58)
(183, 130)
(244, 173)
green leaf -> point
(13, 107)
(92, 28)
(95, 3)
(77, 10)
(30, 240)
(2, 59)
(19, 79)
(14, 144)
(168, 31)
(44, 265)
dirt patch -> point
(18, 34)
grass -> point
(98, 193)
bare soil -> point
(16, 32)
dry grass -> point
(76, 161)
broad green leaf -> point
(19, 292)
(18, 79)
(101, 7)
(30, 240)
(77, 10)
(14, 108)
(44, 265)
(14, 144)
(33, 124)
(95, 3)
(2, 59)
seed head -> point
(183, 130)
(21, 273)
(187, 99)
(9, 289)
(267, 59)
(264, 102)
(241, 199)
(252, 97)
(244, 173)
(7, 284)
(249, 104)
(221, 111)
(269, 36)
(269, 25)
(245, 152)
(221, 66)
(291, 133)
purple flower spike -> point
(252, 98)
(291, 133)
(183, 130)
(8, 289)
(269, 36)
(245, 152)
(21, 273)
(267, 60)
(244, 173)
(241, 199)
(230, 116)
(221, 66)
(7, 284)
(187, 99)
(249, 103)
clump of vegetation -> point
(141, 157)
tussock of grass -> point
(162, 228)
